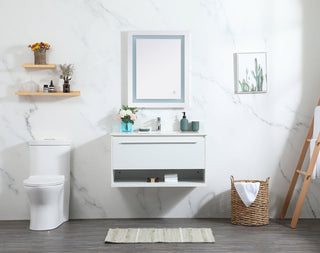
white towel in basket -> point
(247, 191)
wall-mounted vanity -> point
(138, 156)
(158, 69)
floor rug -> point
(156, 235)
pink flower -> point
(119, 116)
(132, 116)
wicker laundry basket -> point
(257, 213)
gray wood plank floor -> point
(88, 236)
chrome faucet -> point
(158, 124)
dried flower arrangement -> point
(40, 46)
(67, 70)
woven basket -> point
(257, 213)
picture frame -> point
(251, 73)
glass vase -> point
(66, 87)
(126, 127)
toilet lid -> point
(43, 180)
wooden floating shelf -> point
(41, 93)
(39, 66)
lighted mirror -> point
(158, 69)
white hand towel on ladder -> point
(247, 191)
(316, 122)
(316, 170)
(316, 130)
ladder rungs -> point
(309, 140)
(303, 173)
(298, 172)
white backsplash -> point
(249, 136)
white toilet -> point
(48, 187)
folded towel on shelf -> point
(247, 191)
(171, 178)
(316, 170)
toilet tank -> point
(50, 157)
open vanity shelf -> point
(160, 184)
(138, 156)
(39, 66)
(41, 93)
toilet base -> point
(41, 227)
(45, 217)
(46, 207)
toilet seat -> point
(41, 181)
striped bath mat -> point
(155, 235)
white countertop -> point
(159, 133)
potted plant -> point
(127, 115)
(40, 49)
(67, 70)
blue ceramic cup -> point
(195, 126)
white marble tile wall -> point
(249, 136)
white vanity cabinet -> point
(138, 156)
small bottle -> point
(51, 87)
(45, 88)
(184, 124)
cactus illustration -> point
(258, 75)
(245, 83)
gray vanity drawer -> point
(158, 152)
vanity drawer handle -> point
(160, 142)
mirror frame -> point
(183, 100)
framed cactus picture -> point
(251, 73)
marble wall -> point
(249, 136)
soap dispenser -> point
(184, 125)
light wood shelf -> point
(39, 66)
(41, 93)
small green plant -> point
(258, 75)
(245, 83)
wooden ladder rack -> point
(307, 176)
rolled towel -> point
(316, 169)
(247, 191)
